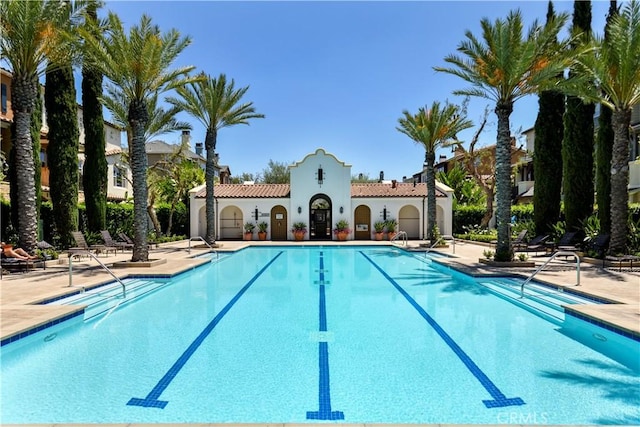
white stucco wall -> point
(336, 185)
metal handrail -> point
(87, 252)
(399, 234)
(201, 239)
(539, 269)
(442, 239)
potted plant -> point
(378, 226)
(248, 230)
(391, 225)
(342, 229)
(299, 229)
(262, 230)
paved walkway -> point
(21, 293)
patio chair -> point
(128, 239)
(598, 245)
(108, 240)
(570, 241)
(537, 244)
(519, 241)
(82, 246)
(623, 261)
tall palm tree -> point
(216, 104)
(31, 36)
(505, 66)
(615, 66)
(139, 65)
(161, 121)
(433, 128)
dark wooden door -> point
(278, 223)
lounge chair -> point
(21, 265)
(537, 244)
(623, 261)
(108, 240)
(598, 245)
(82, 246)
(128, 239)
(570, 241)
(519, 241)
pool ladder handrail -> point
(442, 239)
(200, 238)
(73, 253)
(398, 235)
(539, 269)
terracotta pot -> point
(299, 235)
(248, 236)
(379, 235)
(391, 235)
(342, 235)
(262, 235)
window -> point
(3, 90)
(119, 177)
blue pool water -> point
(338, 334)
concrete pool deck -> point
(21, 293)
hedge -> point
(119, 219)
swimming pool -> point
(345, 334)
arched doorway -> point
(279, 223)
(362, 218)
(409, 221)
(231, 223)
(320, 217)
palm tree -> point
(505, 66)
(139, 65)
(161, 121)
(30, 39)
(433, 128)
(216, 104)
(615, 66)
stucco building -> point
(320, 193)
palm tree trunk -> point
(620, 181)
(210, 145)
(138, 118)
(24, 91)
(431, 194)
(503, 182)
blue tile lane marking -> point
(324, 392)
(151, 401)
(499, 399)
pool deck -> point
(21, 293)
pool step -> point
(105, 298)
(541, 300)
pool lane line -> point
(499, 399)
(324, 392)
(151, 401)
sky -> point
(336, 75)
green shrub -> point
(466, 216)
(522, 213)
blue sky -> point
(335, 75)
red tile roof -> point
(266, 191)
(400, 189)
(235, 191)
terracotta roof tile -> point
(260, 191)
(266, 191)
(401, 189)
